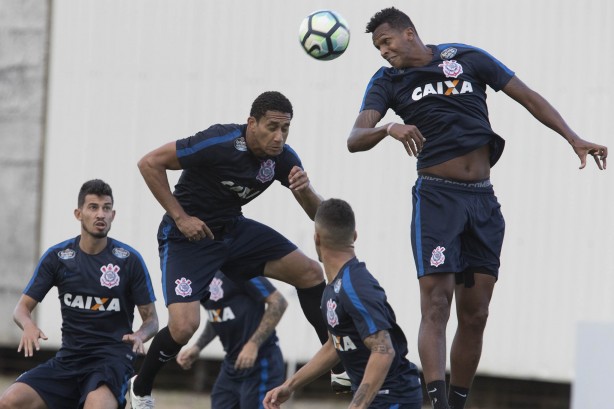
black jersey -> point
(355, 306)
(235, 310)
(445, 100)
(220, 174)
(97, 294)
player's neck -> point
(92, 245)
(333, 260)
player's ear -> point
(355, 235)
(410, 33)
(77, 214)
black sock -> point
(437, 394)
(310, 299)
(163, 348)
(457, 397)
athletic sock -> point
(457, 397)
(437, 394)
(310, 299)
(163, 348)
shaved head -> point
(335, 223)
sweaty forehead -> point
(276, 116)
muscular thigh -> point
(21, 395)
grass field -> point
(192, 400)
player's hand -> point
(247, 356)
(298, 179)
(409, 136)
(584, 148)
(29, 340)
(275, 397)
(137, 343)
(193, 228)
(188, 356)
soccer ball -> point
(324, 35)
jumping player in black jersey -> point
(203, 230)
(100, 281)
(439, 91)
(243, 315)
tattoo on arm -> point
(361, 396)
(276, 306)
(207, 336)
(149, 317)
(379, 342)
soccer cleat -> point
(340, 382)
(140, 402)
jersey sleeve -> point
(365, 302)
(376, 95)
(287, 160)
(44, 276)
(492, 71)
(259, 288)
(140, 286)
(201, 148)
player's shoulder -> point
(64, 250)
(122, 250)
(220, 133)
(355, 272)
(450, 51)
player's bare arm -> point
(153, 167)
(382, 354)
(146, 331)
(544, 112)
(321, 363)
(187, 356)
(303, 191)
(365, 135)
(276, 305)
(22, 316)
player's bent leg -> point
(295, 269)
(472, 311)
(20, 395)
(101, 398)
(183, 320)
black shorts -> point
(64, 383)
(248, 391)
(241, 249)
(456, 227)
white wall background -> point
(127, 77)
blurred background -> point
(88, 87)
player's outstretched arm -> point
(303, 191)
(146, 331)
(544, 112)
(22, 315)
(321, 363)
(276, 305)
(382, 354)
(187, 356)
(153, 167)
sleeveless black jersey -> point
(220, 174)
(235, 309)
(354, 307)
(445, 100)
(97, 294)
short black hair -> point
(270, 101)
(94, 187)
(337, 218)
(394, 17)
